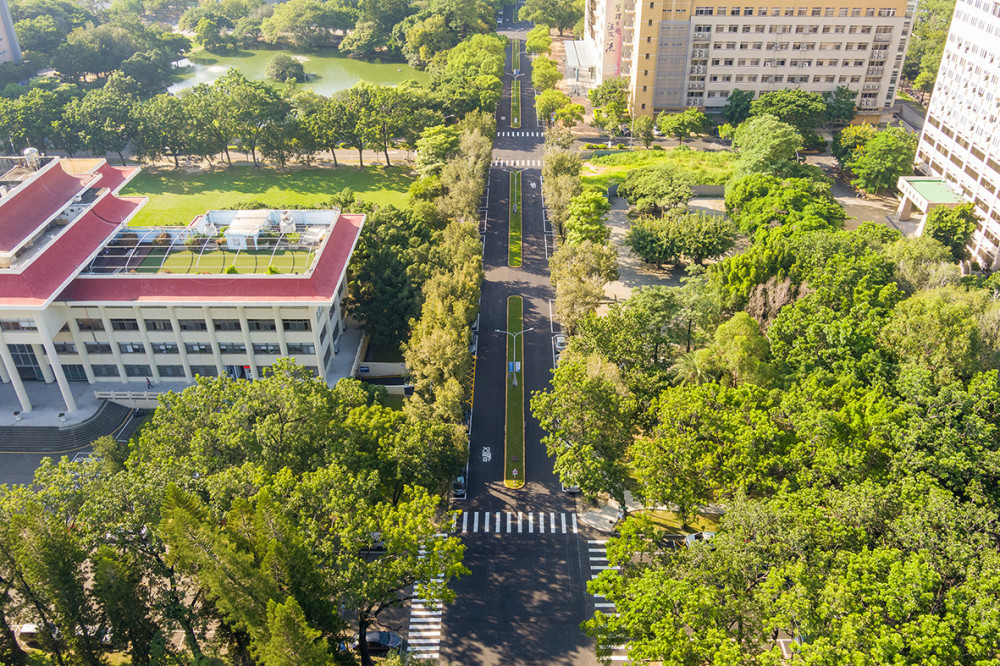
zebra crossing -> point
(517, 163)
(520, 133)
(423, 638)
(515, 522)
(597, 551)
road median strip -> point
(515, 104)
(514, 472)
(514, 238)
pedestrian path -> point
(521, 133)
(597, 551)
(517, 163)
(423, 639)
(515, 522)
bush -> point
(162, 240)
(284, 67)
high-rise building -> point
(681, 53)
(960, 146)
(10, 51)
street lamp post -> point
(514, 336)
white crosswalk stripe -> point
(598, 555)
(511, 522)
(424, 634)
(517, 163)
(514, 133)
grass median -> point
(515, 104)
(514, 236)
(513, 471)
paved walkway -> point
(632, 271)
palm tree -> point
(691, 368)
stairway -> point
(52, 440)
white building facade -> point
(960, 143)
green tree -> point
(953, 227)
(840, 107)
(254, 107)
(766, 144)
(436, 145)
(878, 165)
(655, 189)
(737, 108)
(794, 106)
(586, 218)
(610, 103)
(763, 200)
(538, 41)
(642, 129)
(106, 117)
(548, 102)
(284, 68)
(292, 641)
(308, 23)
(544, 73)
(850, 139)
(682, 125)
(579, 273)
(560, 14)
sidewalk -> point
(604, 515)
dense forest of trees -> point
(837, 394)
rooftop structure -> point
(960, 143)
(83, 297)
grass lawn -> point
(514, 238)
(218, 260)
(669, 521)
(394, 402)
(515, 104)
(175, 197)
(702, 167)
(514, 431)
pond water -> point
(328, 71)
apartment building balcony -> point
(875, 70)
(696, 86)
(883, 36)
(871, 86)
(702, 35)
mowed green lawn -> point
(175, 197)
(217, 261)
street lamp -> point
(514, 336)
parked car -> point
(570, 489)
(691, 539)
(382, 642)
(560, 342)
(460, 486)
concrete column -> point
(108, 333)
(147, 345)
(57, 370)
(15, 379)
(245, 329)
(175, 324)
(207, 313)
(280, 330)
(43, 363)
(315, 326)
(4, 375)
(905, 209)
(81, 349)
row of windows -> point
(793, 11)
(882, 32)
(77, 372)
(767, 78)
(781, 62)
(794, 46)
(193, 325)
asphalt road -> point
(525, 597)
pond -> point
(328, 71)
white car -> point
(560, 342)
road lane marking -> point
(531, 523)
(552, 522)
(475, 521)
(465, 521)
(508, 522)
(563, 516)
(498, 523)
(541, 522)
(486, 522)
(518, 522)
(574, 522)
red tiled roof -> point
(21, 213)
(46, 273)
(321, 284)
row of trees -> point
(877, 158)
(803, 385)
(241, 526)
(265, 122)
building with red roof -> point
(86, 298)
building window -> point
(266, 348)
(226, 324)
(137, 370)
(103, 370)
(301, 349)
(131, 348)
(97, 348)
(18, 325)
(295, 324)
(193, 325)
(170, 370)
(262, 325)
(326, 357)
(198, 348)
(75, 372)
(205, 370)
(90, 324)
(65, 348)
(124, 325)
(232, 348)
(164, 347)
(158, 325)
